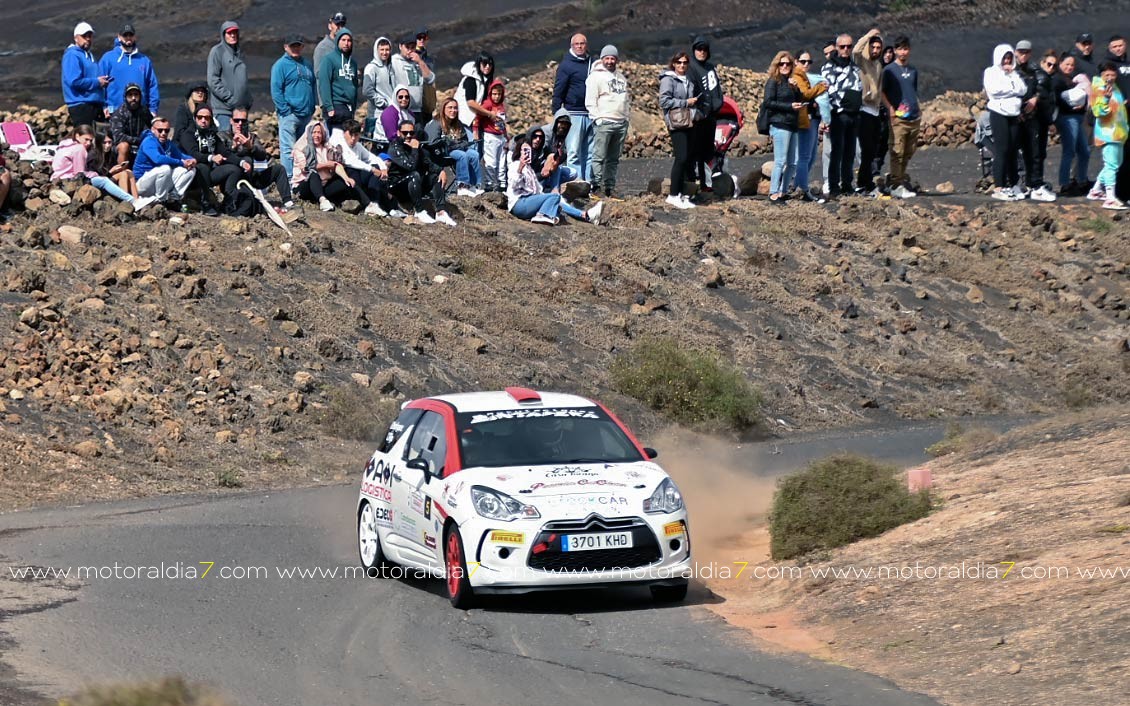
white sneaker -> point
(687, 203)
(541, 218)
(466, 191)
(424, 217)
(374, 210)
(1003, 195)
(593, 214)
(1043, 194)
(1097, 193)
(1113, 204)
(901, 192)
(676, 201)
(288, 205)
(325, 204)
(397, 213)
(1019, 193)
(143, 201)
(442, 217)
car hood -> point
(570, 489)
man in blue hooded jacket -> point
(84, 83)
(126, 64)
(569, 93)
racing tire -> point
(669, 594)
(369, 547)
(456, 578)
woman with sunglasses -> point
(677, 98)
(1044, 115)
(1006, 89)
(196, 96)
(412, 175)
(814, 90)
(392, 116)
(784, 102)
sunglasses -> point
(804, 61)
(404, 98)
(843, 46)
(239, 120)
(204, 116)
(407, 132)
(161, 130)
(784, 63)
(684, 61)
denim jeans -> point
(785, 145)
(607, 145)
(806, 153)
(467, 167)
(1074, 141)
(290, 127)
(107, 184)
(579, 145)
(561, 175)
(548, 205)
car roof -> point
(509, 399)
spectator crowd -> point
(411, 147)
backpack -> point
(243, 203)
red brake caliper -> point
(454, 565)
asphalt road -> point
(277, 640)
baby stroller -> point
(730, 121)
(983, 139)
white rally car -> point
(517, 491)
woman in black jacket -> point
(185, 119)
(783, 101)
(1044, 115)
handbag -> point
(681, 118)
(763, 119)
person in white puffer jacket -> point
(1005, 89)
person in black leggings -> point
(679, 94)
(1006, 89)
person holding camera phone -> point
(784, 101)
(524, 196)
(1108, 105)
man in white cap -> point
(609, 106)
(84, 85)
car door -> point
(416, 519)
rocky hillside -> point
(175, 353)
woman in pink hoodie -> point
(70, 163)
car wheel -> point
(369, 541)
(669, 594)
(459, 590)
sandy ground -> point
(1048, 504)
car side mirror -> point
(421, 465)
(650, 452)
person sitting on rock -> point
(161, 168)
(70, 162)
(524, 196)
(368, 171)
(461, 150)
(103, 159)
(196, 96)
(253, 159)
(412, 174)
(128, 123)
(215, 162)
(565, 178)
(319, 175)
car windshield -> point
(531, 437)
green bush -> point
(838, 500)
(172, 691)
(358, 413)
(959, 440)
(690, 387)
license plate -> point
(589, 542)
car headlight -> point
(666, 498)
(500, 506)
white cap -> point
(82, 28)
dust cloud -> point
(724, 499)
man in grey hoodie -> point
(227, 76)
(379, 87)
(410, 69)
